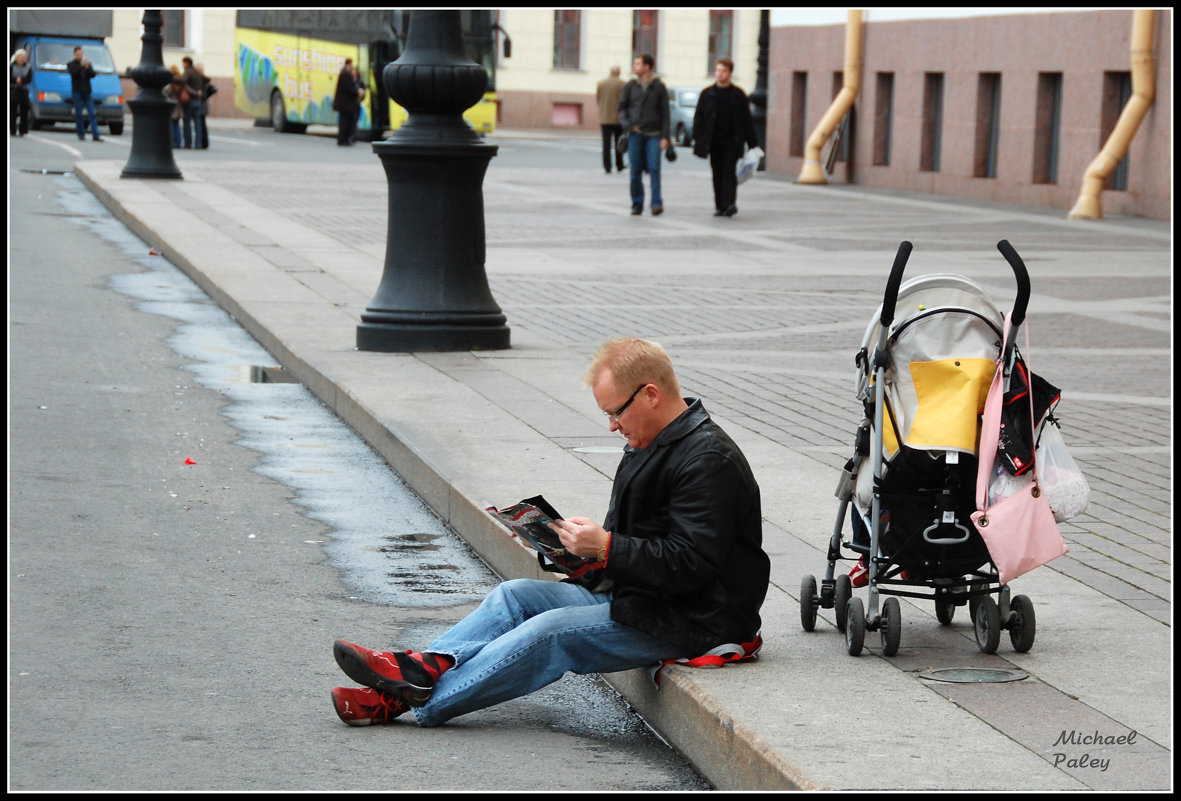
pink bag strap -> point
(990, 423)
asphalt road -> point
(170, 623)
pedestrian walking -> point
(722, 126)
(81, 71)
(607, 96)
(682, 568)
(208, 90)
(19, 73)
(643, 113)
(347, 103)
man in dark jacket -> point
(643, 113)
(81, 72)
(681, 568)
(722, 124)
(347, 103)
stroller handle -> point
(1017, 317)
(1022, 300)
(894, 283)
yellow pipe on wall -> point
(812, 172)
(1087, 207)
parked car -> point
(682, 104)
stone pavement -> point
(762, 314)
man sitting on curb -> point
(684, 569)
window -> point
(645, 30)
(988, 124)
(932, 128)
(1117, 91)
(174, 27)
(721, 38)
(567, 35)
(1047, 127)
(799, 109)
(883, 118)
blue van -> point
(51, 97)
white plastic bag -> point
(1059, 475)
(748, 164)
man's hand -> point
(581, 535)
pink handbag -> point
(1019, 531)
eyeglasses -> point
(615, 414)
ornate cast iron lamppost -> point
(151, 111)
(434, 293)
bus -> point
(287, 63)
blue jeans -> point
(526, 634)
(85, 103)
(641, 151)
(177, 141)
(194, 121)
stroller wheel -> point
(1022, 625)
(809, 603)
(944, 612)
(891, 626)
(854, 626)
(988, 625)
(841, 595)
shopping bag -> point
(1019, 530)
(1059, 475)
(748, 164)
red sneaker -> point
(860, 573)
(362, 706)
(410, 676)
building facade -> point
(1010, 107)
(559, 56)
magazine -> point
(530, 520)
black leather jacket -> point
(686, 557)
(705, 118)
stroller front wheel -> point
(1022, 625)
(809, 603)
(841, 595)
(854, 626)
(944, 612)
(891, 626)
(988, 625)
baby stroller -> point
(909, 489)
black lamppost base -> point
(428, 337)
(151, 140)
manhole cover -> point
(973, 675)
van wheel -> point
(116, 129)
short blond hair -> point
(634, 362)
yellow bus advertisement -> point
(291, 80)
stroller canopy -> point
(942, 348)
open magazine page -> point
(530, 521)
